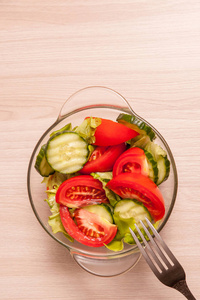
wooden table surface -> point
(149, 51)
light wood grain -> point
(149, 51)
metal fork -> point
(163, 263)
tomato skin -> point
(73, 230)
(79, 191)
(103, 158)
(110, 133)
(140, 187)
(132, 160)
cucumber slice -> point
(41, 164)
(127, 214)
(164, 169)
(101, 210)
(152, 164)
(138, 125)
(140, 141)
(160, 156)
(67, 152)
(128, 208)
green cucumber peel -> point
(152, 164)
(67, 127)
(163, 163)
(41, 164)
(138, 125)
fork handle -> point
(182, 287)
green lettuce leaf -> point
(115, 245)
(104, 177)
(123, 225)
(56, 225)
(123, 233)
(128, 239)
(52, 183)
(87, 129)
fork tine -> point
(156, 259)
(165, 247)
(144, 253)
(156, 246)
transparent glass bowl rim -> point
(58, 120)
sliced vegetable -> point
(110, 133)
(132, 160)
(160, 156)
(129, 208)
(136, 124)
(80, 191)
(164, 169)
(103, 158)
(139, 141)
(141, 188)
(101, 210)
(67, 152)
(87, 228)
(127, 213)
(41, 164)
(152, 166)
(67, 127)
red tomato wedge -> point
(140, 187)
(103, 158)
(110, 133)
(132, 160)
(80, 191)
(89, 229)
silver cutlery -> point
(161, 260)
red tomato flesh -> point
(110, 133)
(80, 191)
(132, 160)
(103, 158)
(140, 187)
(90, 230)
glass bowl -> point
(106, 103)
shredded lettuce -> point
(123, 234)
(55, 220)
(104, 177)
(123, 225)
(55, 180)
(52, 183)
(87, 129)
